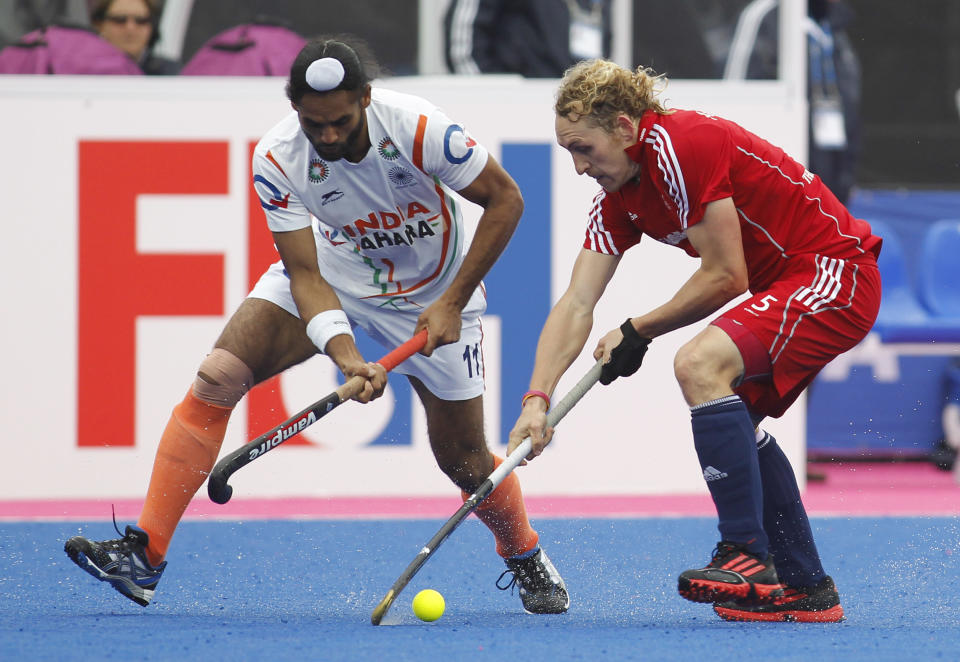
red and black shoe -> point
(812, 604)
(733, 574)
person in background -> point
(131, 26)
(835, 83)
(534, 38)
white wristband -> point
(326, 325)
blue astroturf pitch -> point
(304, 590)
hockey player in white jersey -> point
(358, 188)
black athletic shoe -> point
(732, 574)
(542, 590)
(122, 562)
(812, 604)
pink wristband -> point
(535, 394)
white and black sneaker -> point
(122, 562)
(542, 590)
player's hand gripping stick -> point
(625, 358)
(217, 487)
(510, 463)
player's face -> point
(597, 153)
(335, 123)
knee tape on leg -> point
(231, 376)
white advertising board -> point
(113, 296)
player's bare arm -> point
(721, 277)
(313, 296)
(502, 203)
(563, 336)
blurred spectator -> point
(131, 26)
(535, 38)
(18, 17)
(834, 81)
(834, 91)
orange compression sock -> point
(186, 454)
(506, 516)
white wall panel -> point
(630, 438)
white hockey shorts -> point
(453, 372)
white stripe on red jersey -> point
(672, 172)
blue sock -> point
(724, 437)
(785, 519)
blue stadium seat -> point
(901, 317)
(938, 274)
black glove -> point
(625, 359)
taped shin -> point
(506, 516)
(189, 446)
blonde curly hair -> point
(600, 90)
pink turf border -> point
(847, 490)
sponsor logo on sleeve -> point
(272, 198)
(457, 145)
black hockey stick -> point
(489, 485)
(217, 487)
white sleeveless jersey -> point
(388, 228)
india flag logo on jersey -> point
(387, 149)
(318, 170)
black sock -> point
(785, 519)
(724, 437)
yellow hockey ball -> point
(428, 605)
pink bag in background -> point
(65, 50)
(247, 50)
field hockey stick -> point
(489, 485)
(217, 487)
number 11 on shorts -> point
(471, 356)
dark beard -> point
(350, 147)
